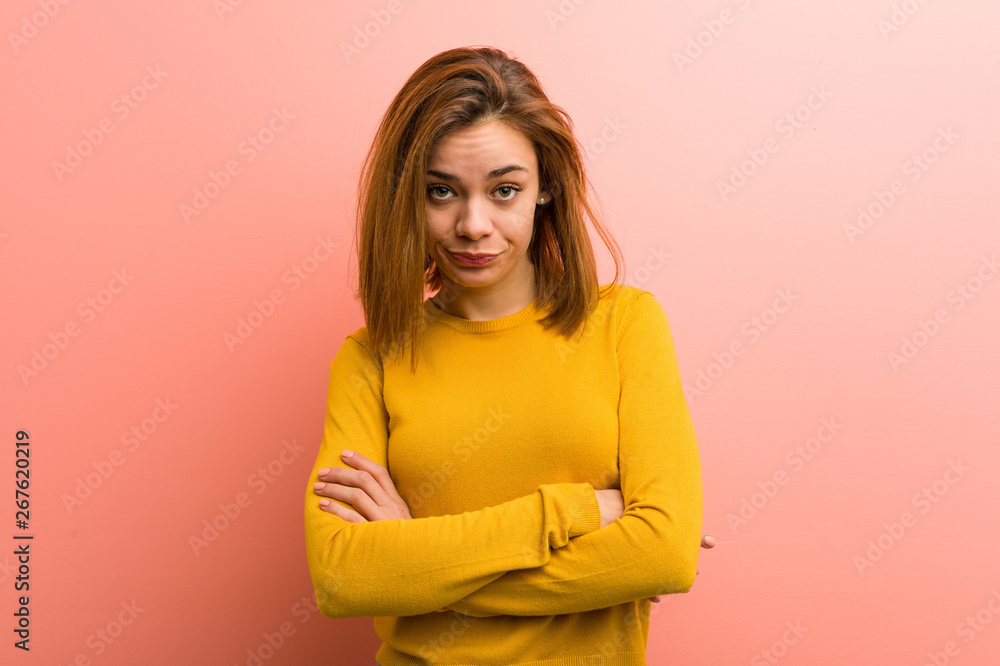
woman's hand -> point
(612, 505)
(369, 489)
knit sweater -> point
(497, 444)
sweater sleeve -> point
(653, 548)
(409, 567)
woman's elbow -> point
(677, 573)
(332, 581)
(332, 598)
(677, 565)
(685, 576)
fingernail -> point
(324, 503)
(347, 454)
(319, 486)
(324, 471)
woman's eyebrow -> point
(495, 173)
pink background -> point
(823, 428)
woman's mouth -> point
(469, 259)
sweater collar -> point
(528, 313)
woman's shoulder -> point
(623, 297)
(359, 342)
(360, 336)
(626, 306)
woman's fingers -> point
(390, 504)
(378, 472)
(366, 486)
(707, 541)
(358, 499)
(332, 507)
(351, 486)
(365, 478)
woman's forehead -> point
(483, 149)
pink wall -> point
(840, 370)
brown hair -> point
(455, 90)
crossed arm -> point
(369, 490)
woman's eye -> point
(432, 189)
(508, 191)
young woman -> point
(508, 472)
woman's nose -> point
(474, 219)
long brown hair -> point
(455, 90)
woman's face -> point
(482, 187)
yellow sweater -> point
(497, 444)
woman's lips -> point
(468, 259)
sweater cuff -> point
(584, 511)
(568, 510)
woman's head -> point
(459, 104)
(482, 194)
